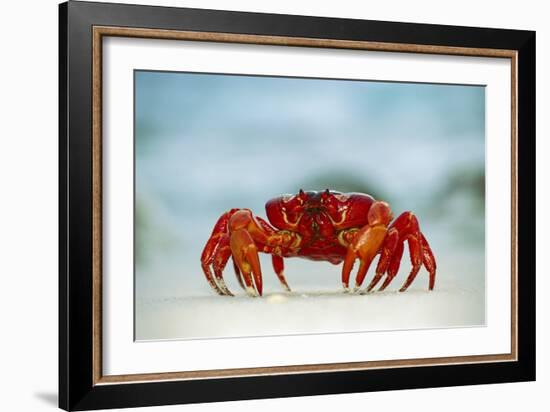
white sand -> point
(296, 313)
(188, 309)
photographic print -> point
(272, 205)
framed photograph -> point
(257, 205)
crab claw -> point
(366, 244)
(245, 255)
(365, 247)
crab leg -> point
(221, 256)
(428, 260)
(419, 250)
(388, 249)
(393, 267)
(405, 224)
(415, 251)
(279, 267)
(207, 257)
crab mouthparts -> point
(314, 210)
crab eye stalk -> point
(302, 195)
(325, 196)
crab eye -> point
(302, 196)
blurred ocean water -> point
(208, 143)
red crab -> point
(328, 226)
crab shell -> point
(318, 217)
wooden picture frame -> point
(82, 384)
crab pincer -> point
(245, 256)
(366, 244)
